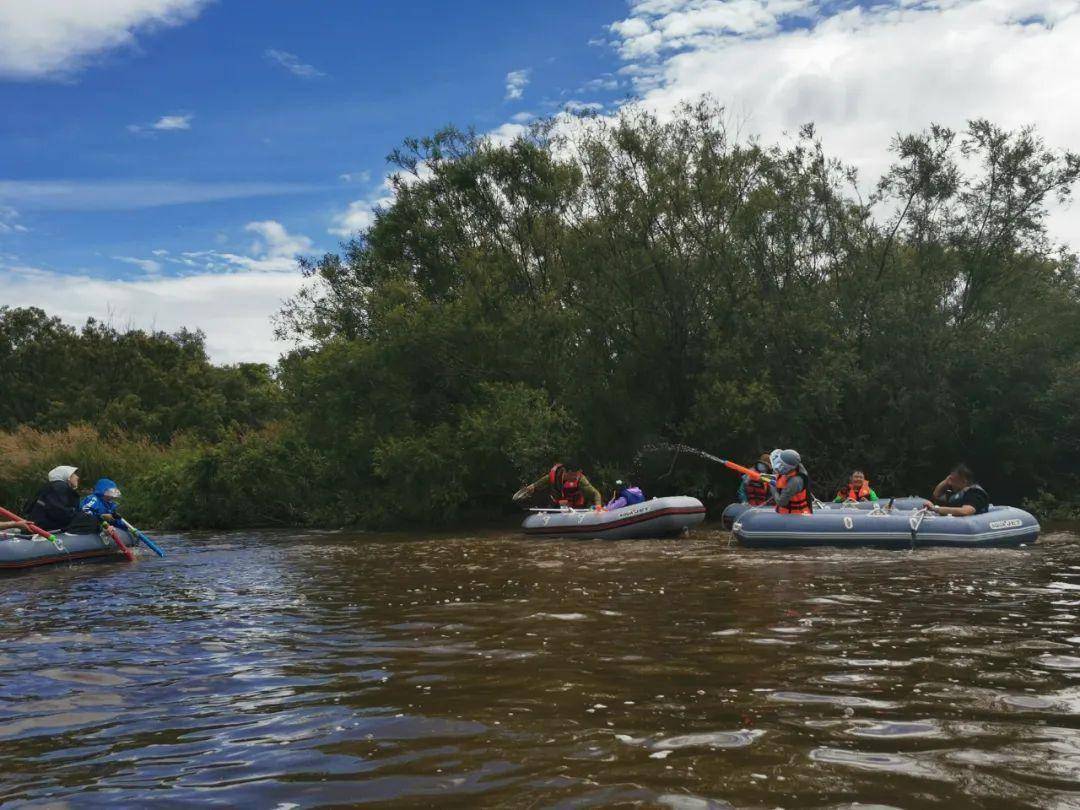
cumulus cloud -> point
(360, 215)
(516, 82)
(230, 296)
(167, 123)
(51, 39)
(234, 310)
(862, 73)
(291, 62)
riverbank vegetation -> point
(592, 288)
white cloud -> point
(231, 297)
(355, 177)
(9, 221)
(516, 82)
(360, 215)
(126, 195)
(575, 107)
(863, 74)
(291, 62)
(150, 266)
(167, 123)
(234, 310)
(171, 122)
(49, 39)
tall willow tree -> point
(600, 283)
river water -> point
(265, 670)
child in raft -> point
(102, 504)
(624, 495)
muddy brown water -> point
(264, 670)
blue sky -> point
(377, 76)
(163, 161)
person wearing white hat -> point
(57, 503)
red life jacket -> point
(569, 492)
(800, 502)
(849, 493)
(757, 492)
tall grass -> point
(251, 478)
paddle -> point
(152, 545)
(119, 543)
(35, 529)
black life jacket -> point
(54, 507)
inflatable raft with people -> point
(659, 517)
(18, 551)
(904, 524)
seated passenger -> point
(756, 493)
(791, 490)
(624, 495)
(566, 486)
(102, 504)
(57, 503)
(959, 495)
(857, 489)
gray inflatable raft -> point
(660, 517)
(862, 525)
(733, 511)
(22, 551)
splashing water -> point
(676, 448)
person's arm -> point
(939, 490)
(958, 511)
(589, 491)
(539, 483)
(742, 496)
(839, 498)
(873, 496)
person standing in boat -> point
(856, 489)
(56, 505)
(959, 495)
(567, 486)
(756, 493)
(791, 489)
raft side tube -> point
(659, 517)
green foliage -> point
(661, 279)
(588, 289)
(143, 384)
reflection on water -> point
(330, 669)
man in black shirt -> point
(959, 495)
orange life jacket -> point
(569, 492)
(800, 502)
(849, 493)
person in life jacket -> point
(959, 495)
(856, 489)
(791, 490)
(56, 505)
(756, 493)
(102, 503)
(624, 495)
(566, 485)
